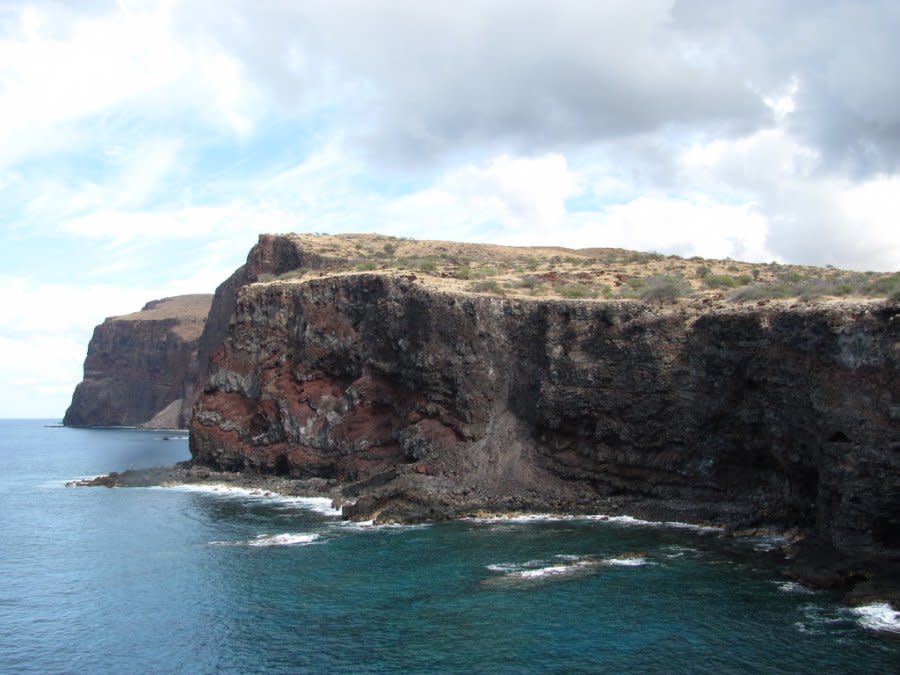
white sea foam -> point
(616, 520)
(521, 518)
(630, 521)
(879, 616)
(318, 504)
(559, 566)
(626, 562)
(551, 571)
(263, 540)
(793, 587)
(371, 525)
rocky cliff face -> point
(141, 368)
(430, 404)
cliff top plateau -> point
(188, 311)
(596, 274)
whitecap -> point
(630, 521)
(321, 505)
(523, 518)
(879, 616)
(532, 572)
(793, 587)
(558, 566)
(371, 525)
(626, 562)
(264, 540)
(551, 571)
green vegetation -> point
(664, 289)
(487, 286)
(576, 291)
(719, 281)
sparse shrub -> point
(843, 289)
(575, 291)
(663, 289)
(427, 265)
(743, 279)
(487, 286)
(719, 281)
(366, 266)
(463, 273)
(759, 292)
(703, 271)
(813, 288)
(791, 277)
(390, 249)
(529, 281)
(886, 286)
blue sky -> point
(145, 145)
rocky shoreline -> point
(804, 558)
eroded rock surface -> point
(429, 405)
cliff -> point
(427, 402)
(141, 368)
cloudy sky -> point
(144, 145)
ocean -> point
(178, 580)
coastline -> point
(807, 560)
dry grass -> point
(190, 310)
(588, 274)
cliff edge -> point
(426, 400)
(141, 368)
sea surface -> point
(161, 580)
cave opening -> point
(282, 465)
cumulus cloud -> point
(838, 55)
(426, 80)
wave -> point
(630, 521)
(559, 567)
(793, 587)
(615, 520)
(635, 561)
(321, 505)
(371, 525)
(879, 616)
(264, 540)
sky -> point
(145, 145)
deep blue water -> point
(176, 580)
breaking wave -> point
(879, 616)
(264, 540)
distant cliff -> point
(141, 369)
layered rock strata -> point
(141, 368)
(426, 404)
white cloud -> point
(683, 226)
(60, 76)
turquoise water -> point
(177, 580)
